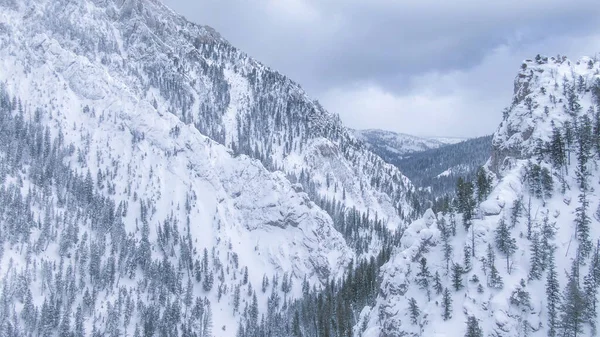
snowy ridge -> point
(538, 196)
(192, 72)
(399, 143)
(250, 220)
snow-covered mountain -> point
(525, 261)
(389, 143)
(156, 180)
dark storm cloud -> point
(407, 50)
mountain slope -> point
(535, 267)
(119, 217)
(190, 71)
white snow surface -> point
(238, 206)
(527, 121)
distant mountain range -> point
(389, 143)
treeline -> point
(330, 311)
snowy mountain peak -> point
(548, 92)
(519, 252)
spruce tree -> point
(582, 220)
(494, 278)
(65, 325)
(413, 311)
(573, 306)
(457, 276)
(516, 211)
(236, 299)
(447, 305)
(596, 132)
(467, 258)
(506, 244)
(547, 235)
(552, 297)
(582, 227)
(536, 258)
(423, 277)
(557, 149)
(447, 247)
(483, 185)
(473, 328)
(79, 328)
(569, 138)
(591, 283)
(466, 202)
(437, 283)
(590, 291)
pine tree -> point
(516, 211)
(265, 283)
(447, 305)
(582, 227)
(552, 296)
(466, 202)
(457, 276)
(547, 183)
(483, 185)
(447, 247)
(296, 330)
(437, 283)
(547, 235)
(413, 311)
(236, 299)
(536, 258)
(582, 220)
(207, 281)
(557, 149)
(65, 325)
(28, 312)
(467, 259)
(453, 223)
(573, 306)
(506, 244)
(568, 141)
(207, 323)
(494, 278)
(590, 289)
(591, 283)
(596, 132)
(79, 329)
(473, 328)
(423, 277)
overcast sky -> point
(423, 67)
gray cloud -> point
(388, 63)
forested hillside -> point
(440, 168)
(518, 251)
